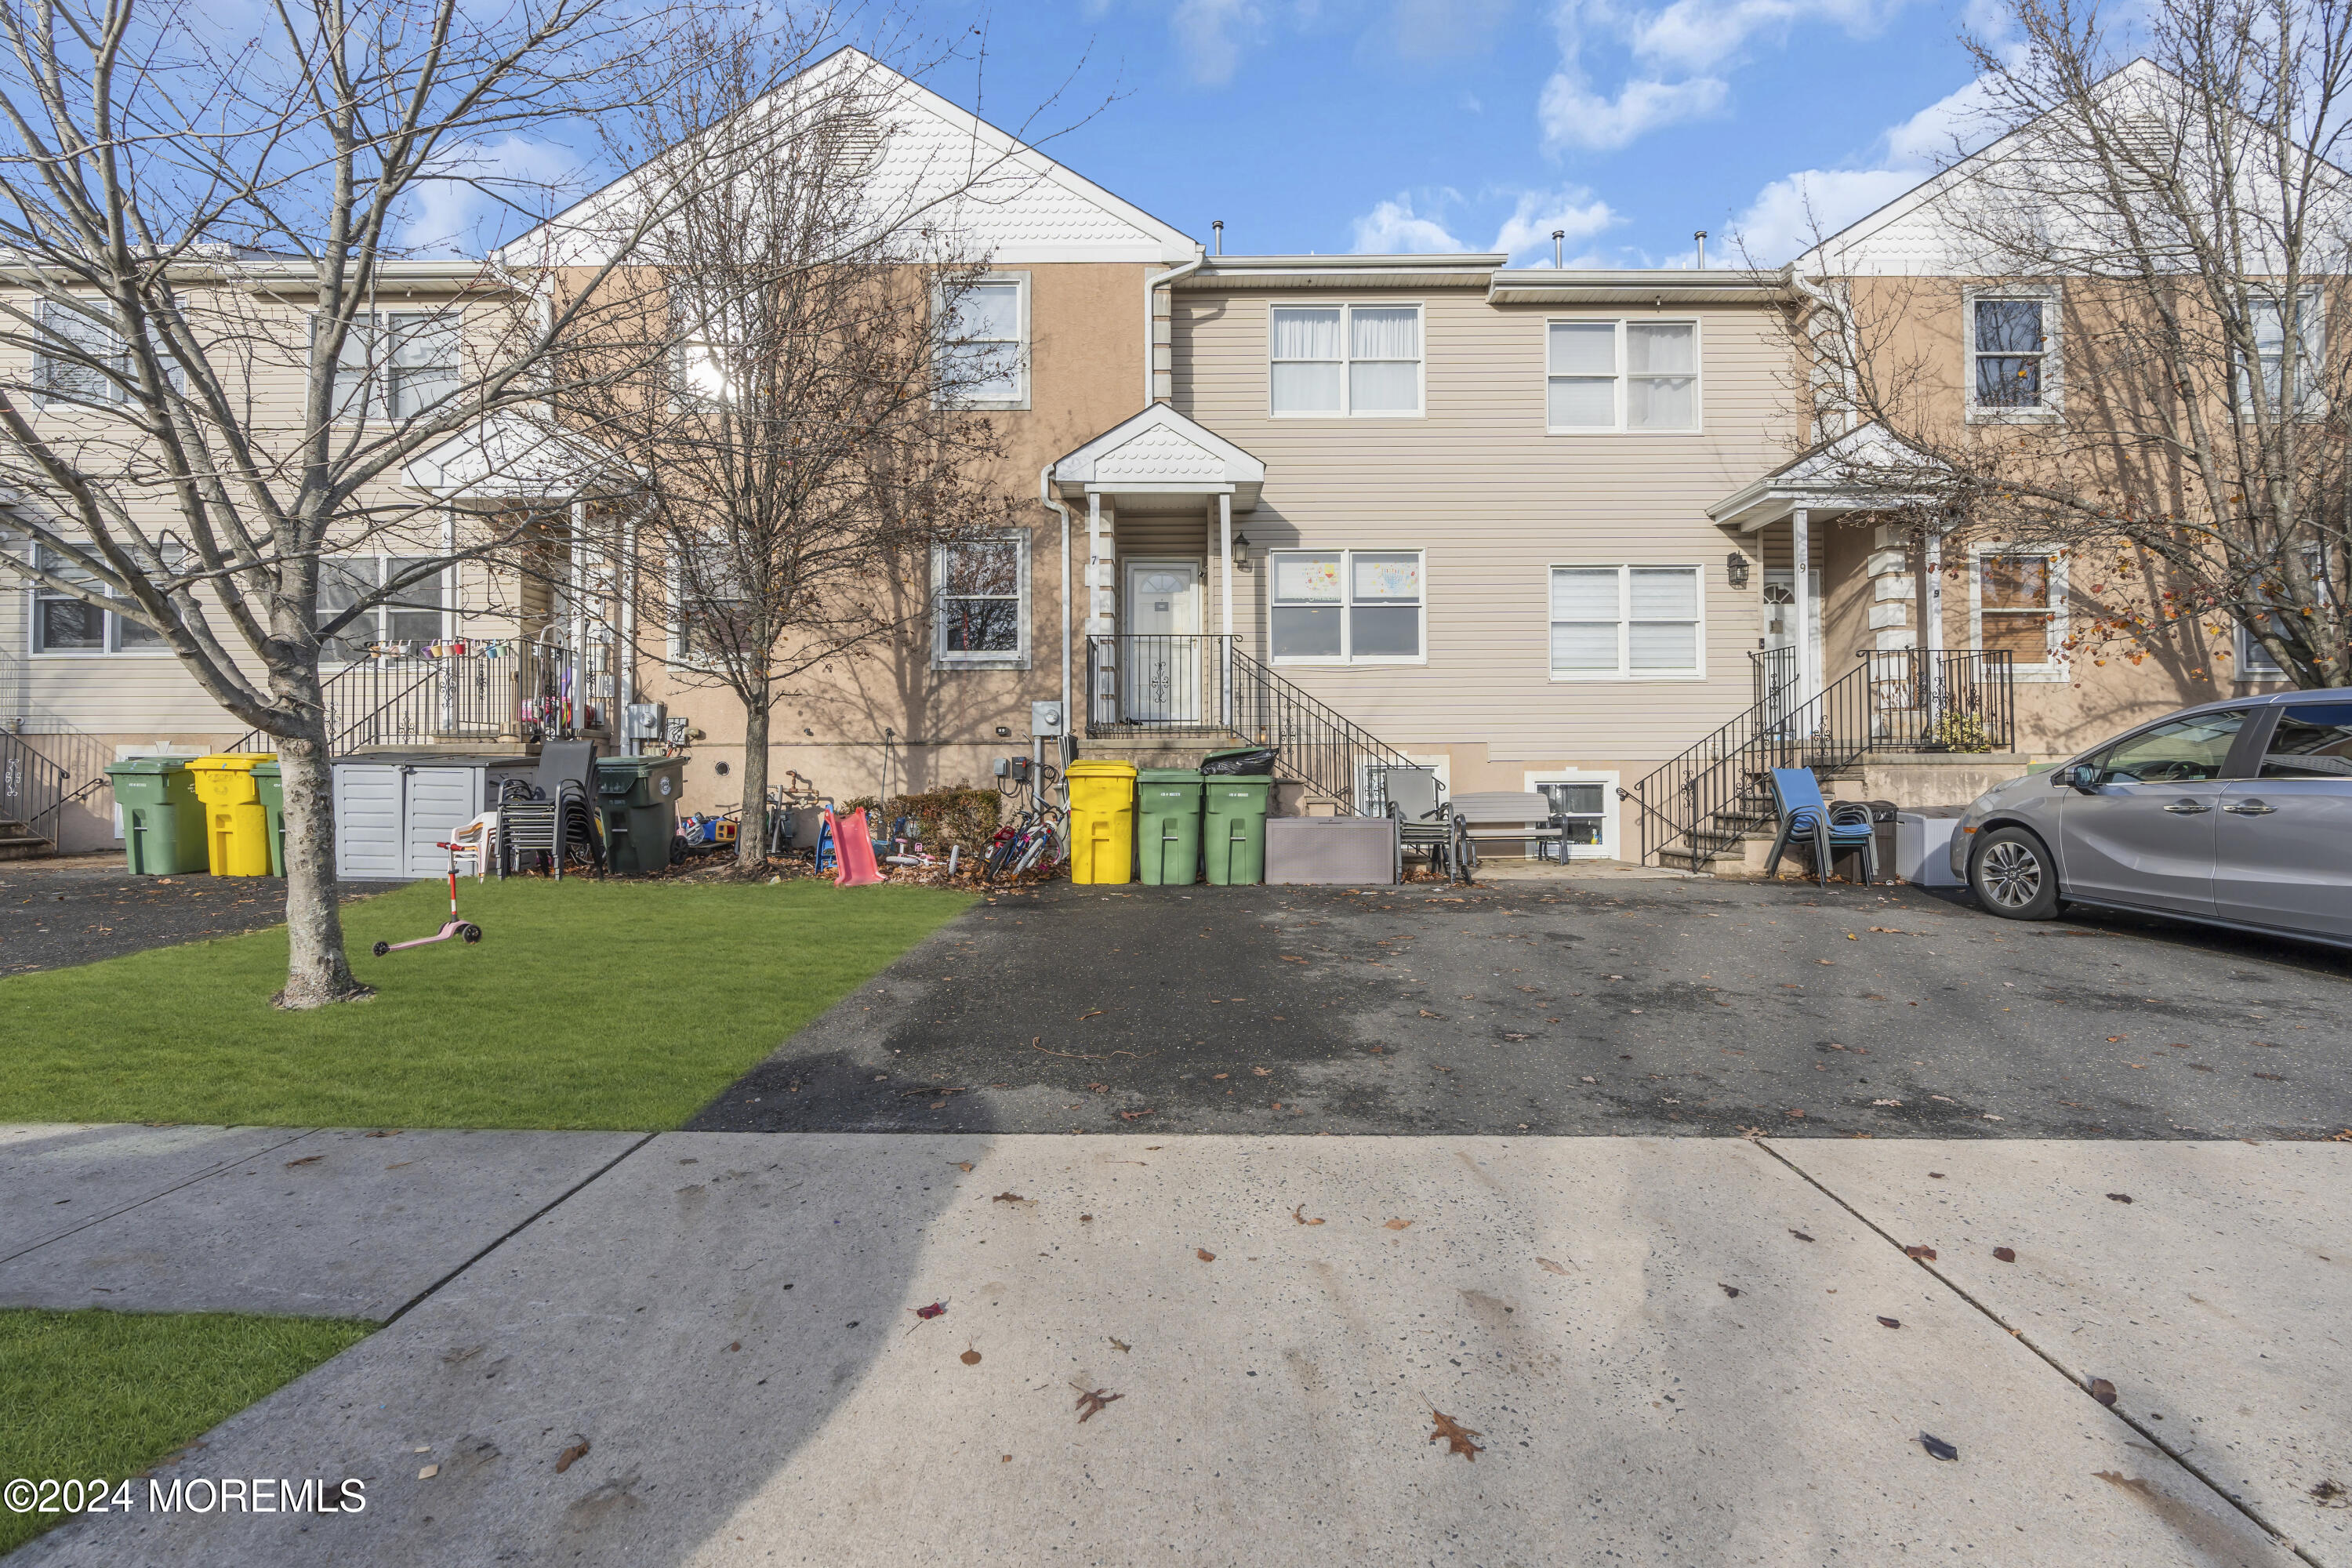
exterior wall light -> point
(1735, 568)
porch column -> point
(1224, 607)
(1102, 597)
(1801, 539)
(1934, 568)
(575, 695)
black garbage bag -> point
(1244, 760)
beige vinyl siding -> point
(1496, 501)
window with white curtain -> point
(986, 346)
(2269, 322)
(1603, 376)
(1337, 361)
(1627, 623)
(1346, 606)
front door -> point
(1159, 680)
(2145, 834)
(1780, 655)
(2283, 839)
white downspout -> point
(1152, 284)
(625, 657)
(1800, 542)
(1045, 494)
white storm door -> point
(1161, 680)
(1783, 672)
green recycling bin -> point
(270, 786)
(1234, 827)
(163, 820)
(1168, 825)
(637, 799)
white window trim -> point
(2247, 649)
(1348, 657)
(1347, 335)
(447, 631)
(1611, 817)
(1027, 341)
(2056, 669)
(2053, 361)
(34, 592)
(2315, 351)
(375, 403)
(1624, 672)
(1620, 376)
(942, 657)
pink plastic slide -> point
(853, 851)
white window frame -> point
(2315, 356)
(381, 611)
(945, 657)
(1347, 656)
(374, 401)
(2053, 363)
(1625, 672)
(2254, 663)
(1346, 309)
(1621, 376)
(109, 637)
(45, 364)
(1611, 819)
(2056, 669)
(1025, 341)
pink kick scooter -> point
(456, 927)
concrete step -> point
(25, 846)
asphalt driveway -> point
(1568, 1006)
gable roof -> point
(1867, 469)
(1022, 205)
(1160, 451)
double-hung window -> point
(2269, 321)
(77, 369)
(64, 624)
(1341, 361)
(2012, 353)
(981, 613)
(1627, 623)
(397, 364)
(985, 354)
(1348, 607)
(1606, 376)
(2019, 608)
(412, 613)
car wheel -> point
(2014, 877)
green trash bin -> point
(637, 799)
(1168, 825)
(270, 786)
(1234, 828)
(163, 820)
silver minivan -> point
(2236, 814)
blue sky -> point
(1340, 125)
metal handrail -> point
(31, 785)
(521, 692)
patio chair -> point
(1424, 822)
(554, 816)
(1826, 824)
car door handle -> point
(2250, 808)
(2187, 807)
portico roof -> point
(509, 457)
(1865, 469)
(1160, 452)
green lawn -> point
(606, 1005)
(97, 1394)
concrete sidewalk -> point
(1669, 1350)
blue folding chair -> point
(1828, 824)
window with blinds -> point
(1627, 623)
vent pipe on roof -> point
(1700, 235)
(1559, 256)
(1218, 230)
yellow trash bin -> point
(236, 825)
(1102, 821)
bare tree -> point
(202, 394)
(2146, 265)
(816, 430)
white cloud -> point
(1792, 212)
(1529, 227)
(481, 186)
(1394, 228)
(1404, 225)
(1205, 31)
(1573, 115)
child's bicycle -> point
(1036, 840)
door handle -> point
(2250, 808)
(2187, 807)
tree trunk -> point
(317, 970)
(751, 841)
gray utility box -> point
(394, 810)
(1330, 851)
(1922, 845)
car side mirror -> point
(2083, 778)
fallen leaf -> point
(1121, 1346)
(1937, 1448)
(305, 1160)
(1396, 1225)
(385, 1133)
(2102, 1390)
(571, 1456)
(2272, 1077)
(1797, 1114)
(1800, 1235)
(1204, 1255)
(2120, 1197)
(1731, 1290)
(1008, 1198)
(1890, 1323)
(1923, 1253)
(736, 1346)
(965, 1166)
(1086, 1219)
(1454, 1436)
(1263, 1072)
(2005, 1254)
(1889, 1102)
(428, 1472)
(1132, 1115)
(1299, 1213)
(1091, 1401)
(970, 1357)
(1095, 1013)
(936, 1309)
(1292, 958)
(1548, 1267)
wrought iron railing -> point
(518, 693)
(32, 787)
(1184, 684)
(1909, 699)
